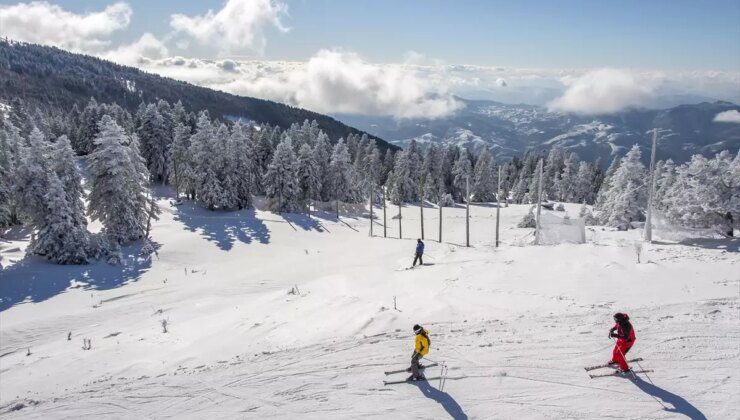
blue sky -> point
(411, 58)
(551, 34)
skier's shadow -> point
(448, 403)
(680, 405)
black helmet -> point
(620, 317)
(417, 329)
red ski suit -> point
(625, 340)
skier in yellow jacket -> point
(421, 348)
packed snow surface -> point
(285, 316)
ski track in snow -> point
(515, 326)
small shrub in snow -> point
(164, 323)
(560, 207)
(446, 200)
(638, 250)
(528, 221)
(587, 215)
(86, 344)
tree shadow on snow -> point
(303, 221)
(222, 227)
(680, 405)
(727, 244)
(36, 280)
(448, 403)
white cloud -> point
(239, 25)
(45, 23)
(729, 116)
(603, 91)
(147, 48)
(501, 82)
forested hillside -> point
(48, 77)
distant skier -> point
(625, 335)
(419, 252)
(421, 348)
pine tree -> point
(180, 168)
(309, 183)
(322, 151)
(565, 185)
(461, 172)
(155, 140)
(119, 192)
(281, 176)
(242, 167)
(403, 188)
(552, 172)
(87, 131)
(583, 185)
(626, 198)
(340, 173)
(606, 184)
(59, 237)
(11, 143)
(66, 170)
(483, 183)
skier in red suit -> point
(625, 335)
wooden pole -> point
(400, 236)
(648, 233)
(421, 209)
(385, 228)
(539, 203)
(467, 211)
(498, 204)
(440, 220)
(371, 209)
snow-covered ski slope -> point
(515, 325)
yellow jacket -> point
(421, 343)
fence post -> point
(467, 211)
(421, 209)
(440, 220)
(371, 209)
(498, 203)
(385, 231)
(400, 236)
(539, 202)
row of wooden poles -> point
(421, 210)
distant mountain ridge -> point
(51, 77)
(513, 129)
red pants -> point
(620, 350)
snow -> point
(515, 324)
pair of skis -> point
(392, 372)
(616, 373)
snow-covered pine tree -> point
(224, 164)
(606, 184)
(87, 131)
(180, 168)
(263, 150)
(11, 143)
(626, 198)
(462, 171)
(322, 151)
(665, 176)
(118, 187)
(404, 188)
(483, 185)
(583, 188)
(59, 236)
(309, 183)
(66, 170)
(340, 173)
(155, 141)
(565, 185)
(244, 166)
(705, 191)
(554, 165)
(281, 178)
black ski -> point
(625, 374)
(588, 368)
(391, 372)
(435, 378)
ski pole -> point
(634, 375)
